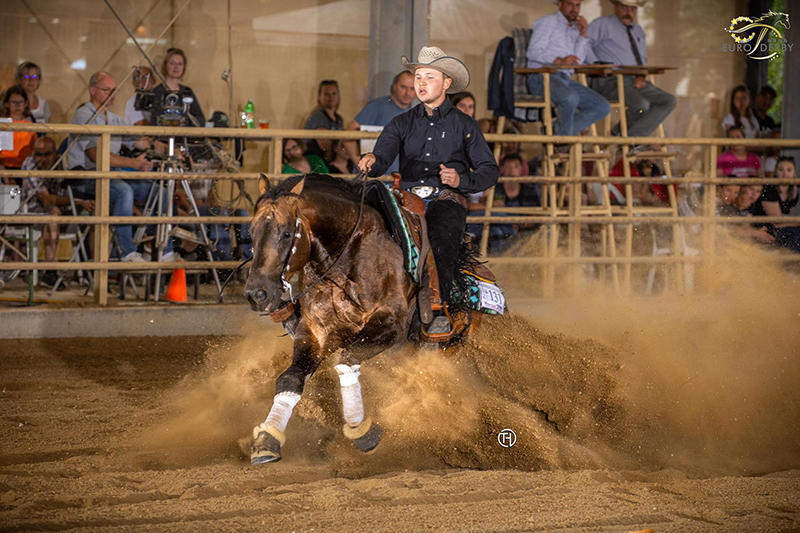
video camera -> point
(173, 106)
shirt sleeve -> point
(315, 121)
(82, 116)
(485, 171)
(387, 147)
(582, 49)
(46, 111)
(539, 49)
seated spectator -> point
(778, 200)
(295, 160)
(738, 161)
(325, 117)
(749, 195)
(341, 163)
(174, 68)
(764, 101)
(512, 147)
(29, 76)
(380, 111)
(561, 39)
(465, 102)
(726, 200)
(15, 105)
(741, 114)
(516, 193)
(48, 196)
(143, 80)
(83, 156)
(617, 39)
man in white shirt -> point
(143, 80)
(560, 39)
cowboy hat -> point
(630, 3)
(434, 57)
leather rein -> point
(284, 312)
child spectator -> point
(737, 161)
(726, 200)
(341, 163)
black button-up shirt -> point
(448, 137)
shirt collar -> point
(443, 109)
(622, 25)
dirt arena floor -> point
(640, 414)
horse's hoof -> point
(266, 449)
(366, 436)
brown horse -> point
(355, 294)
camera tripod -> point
(155, 199)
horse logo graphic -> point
(757, 37)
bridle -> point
(288, 307)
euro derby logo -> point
(757, 38)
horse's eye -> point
(286, 234)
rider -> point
(443, 156)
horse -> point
(355, 295)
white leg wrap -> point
(281, 411)
(352, 404)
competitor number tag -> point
(492, 297)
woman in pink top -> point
(737, 161)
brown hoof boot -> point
(366, 436)
(267, 442)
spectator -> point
(617, 39)
(174, 68)
(512, 147)
(465, 102)
(295, 160)
(516, 193)
(560, 39)
(741, 114)
(749, 195)
(764, 101)
(738, 161)
(380, 111)
(29, 77)
(726, 200)
(341, 163)
(143, 80)
(778, 200)
(15, 105)
(83, 156)
(325, 117)
(48, 196)
(771, 155)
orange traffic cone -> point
(176, 290)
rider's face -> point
(430, 85)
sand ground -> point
(133, 434)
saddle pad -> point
(379, 197)
(483, 295)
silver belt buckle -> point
(423, 191)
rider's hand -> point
(365, 165)
(141, 164)
(449, 176)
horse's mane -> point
(323, 183)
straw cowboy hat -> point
(434, 57)
(630, 3)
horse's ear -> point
(263, 185)
(297, 189)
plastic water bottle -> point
(249, 111)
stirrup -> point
(439, 338)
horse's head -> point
(281, 245)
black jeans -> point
(446, 221)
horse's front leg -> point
(380, 333)
(269, 437)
